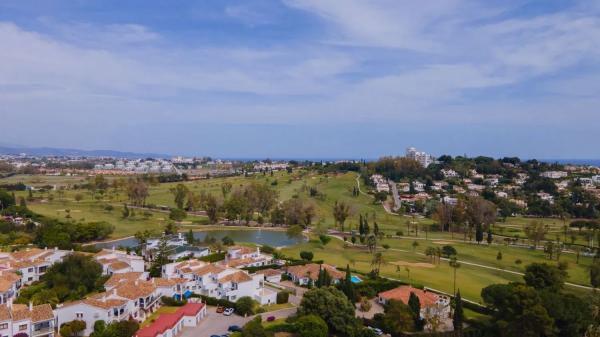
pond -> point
(258, 236)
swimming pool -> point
(355, 279)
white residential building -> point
(10, 283)
(450, 173)
(31, 263)
(220, 280)
(554, 174)
(423, 158)
(26, 320)
(117, 262)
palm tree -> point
(455, 265)
(377, 260)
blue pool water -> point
(355, 279)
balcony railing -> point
(42, 331)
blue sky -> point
(303, 78)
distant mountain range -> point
(50, 151)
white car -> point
(377, 331)
(228, 312)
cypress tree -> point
(457, 320)
(348, 286)
(415, 308)
(478, 233)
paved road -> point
(217, 324)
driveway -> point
(217, 324)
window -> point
(22, 327)
(79, 315)
(30, 270)
(3, 326)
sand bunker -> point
(442, 242)
(410, 264)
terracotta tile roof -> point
(4, 313)
(402, 293)
(312, 270)
(105, 303)
(166, 282)
(115, 279)
(118, 265)
(243, 249)
(237, 277)
(136, 289)
(239, 262)
(270, 272)
(37, 313)
(26, 253)
(209, 269)
(7, 280)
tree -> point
(347, 286)
(189, 237)
(254, 328)
(161, 258)
(306, 255)
(227, 241)
(341, 211)
(180, 191)
(414, 245)
(294, 231)
(125, 212)
(595, 274)
(245, 305)
(311, 326)
(177, 214)
(544, 276)
(74, 277)
(211, 206)
(377, 261)
(458, 318)
(137, 191)
(536, 231)
(325, 239)
(398, 318)
(448, 251)
(6, 200)
(333, 307)
(455, 265)
(415, 308)
(479, 233)
(72, 328)
(499, 256)
(518, 310)
(78, 197)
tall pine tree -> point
(457, 320)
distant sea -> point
(592, 162)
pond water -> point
(258, 236)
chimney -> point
(45, 248)
(104, 298)
(114, 291)
(30, 306)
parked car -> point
(377, 331)
(220, 309)
(234, 328)
(270, 318)
(228, 312)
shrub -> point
(245, 306)
(306, 255)
(216, 257)
(283, 297)
(311, 326)
(171, 302)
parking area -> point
(217, 324)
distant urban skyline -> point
(303, 78)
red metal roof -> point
(167, 321)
